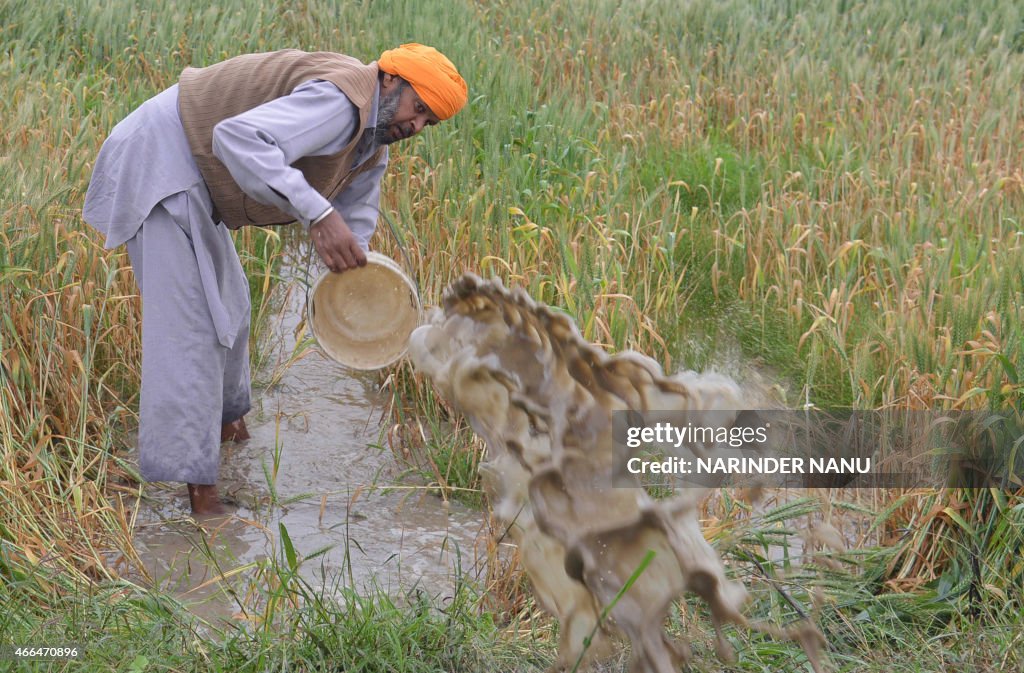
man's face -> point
(401, 113)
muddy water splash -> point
(542, 398)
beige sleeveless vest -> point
(208, 95)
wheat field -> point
(827, 196)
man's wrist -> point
(321, 217)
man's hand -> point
(337, 246)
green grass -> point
(123, 627)
(292, 625)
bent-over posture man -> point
(260, 139)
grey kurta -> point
(147, 192)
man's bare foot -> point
(234, 431)
(206, 501)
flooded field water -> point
(314, 465)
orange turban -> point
(431, 75)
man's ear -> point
(388, 82)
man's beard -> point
(386, 108)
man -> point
(260, 139)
